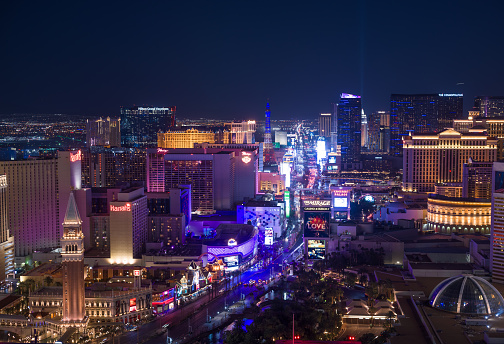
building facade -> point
(140, 125)
(497, 233)
(241, 132)
(421, 114)
(324, 124)
(128, 226)
(111, 167)
(349, 130)
(489, 106)
(103, 132)
(477, 179)
(184, 139)
(6, 240)
(458, 215)
(219, 178)
(439, 158)
(33, 206)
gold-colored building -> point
(458, 215)
(431, 159)
(184, 139)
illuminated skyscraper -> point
(489, 106)
(242, 132)
(72, 259)
(269, 155)
(324, 124)
(349, 112)
(420, 114)
(103, 132)
(111, 167)
(140, 125)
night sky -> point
(224, 59)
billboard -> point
(232, 262)
(132, 307)
(318, 203)
(316, 249)
(340, 202)
(316, 225)
(268, 236)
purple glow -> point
(348, 95)
(245, 249)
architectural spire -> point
(72, 214)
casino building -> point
(234, 244)
(458, 215)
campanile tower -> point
(72, 253)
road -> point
(193, 317)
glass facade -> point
(467, 294)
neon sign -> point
(162, 151)
(136, 272)
(77, 156)
(341, 192)
(126, 207)
(246, 157)
(317, 203)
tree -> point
(351, 279)
(48, 280)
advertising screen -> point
(268, 236)
(316, 225)
(499, 182)
(316, 249)
(340, 216)
(340, 202)
(232, 262)
(132, 305)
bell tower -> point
(72, 253)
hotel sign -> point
(318, 203)
(126, 207)
(246, 157)
(77, 156)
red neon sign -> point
(126, 207)
(76, 156)
(161, 150)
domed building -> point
(467, 294)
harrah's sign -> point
(77, 156)
(317, 203)
(126, 207)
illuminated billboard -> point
(133, 305)
(317, 203)
(316, 249)
(340, 202)
(287, 203)
(268, 236)
(232, 262)
(316, 225)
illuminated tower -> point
(268, 145)
(72, 253)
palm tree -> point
(48, 280)
(31, 284)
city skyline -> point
(84, 60)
